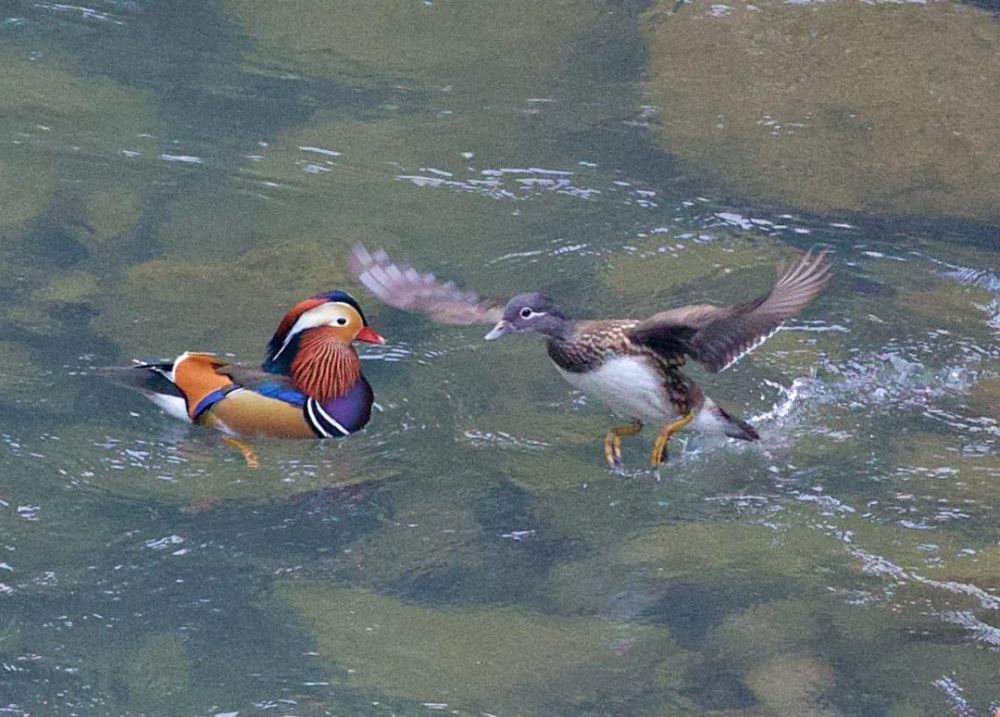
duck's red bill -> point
(370, 335)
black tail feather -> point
(735, 427)
(145, 377)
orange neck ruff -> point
(325, 367)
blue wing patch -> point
(282, 392)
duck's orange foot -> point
(248, 453)
(660, 447)
(613, 443)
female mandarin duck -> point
(310, 384)
(631, 365)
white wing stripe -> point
(750, 348)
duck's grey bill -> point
(499, 330)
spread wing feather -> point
(402, 286)
(719, 336)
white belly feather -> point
(173, 405)
(629, 388)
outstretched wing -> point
(402, 286)
(719, 336)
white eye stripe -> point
(316, 316)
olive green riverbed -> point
(176, 175)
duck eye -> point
(341, 321)
(526, 313)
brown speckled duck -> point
(631, 365)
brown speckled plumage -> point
(591, 343)
(632, 365)
(594, 342)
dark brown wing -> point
(251, 374)
(402, 286)
(718, 336)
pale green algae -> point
(875, 107)
(916, 666)
(811, 653)
(355, 197)
(165, 306)
(111, 211)
(468, 106)
(726, 564)
(51, 222)
(734, 550)
(468, 657)
(23, 384)
(954, 307)
(42, 89)
(153, 673)
(44, 98)
(158, 673)
(658, 265)
(781, 649)
(984, 397)
(25, 186)
(936, 466)
(374, 181)
(75, 287)
(793, 685)
(928, 298)
(38, 311)
(701, 553)
(443, 40)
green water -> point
(175, 175)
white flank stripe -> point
(310, 409)
(330, 419)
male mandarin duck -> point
(310, 384)
(631, 365)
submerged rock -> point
(48, 310)
(385, 184)
(658, 269)
(874, 107)
(794, 685)
(42, 100)
(165, 306)
(512, 42)
(490, 658)
(23, 381)
(71, 288)
(747, 551)
(159, 672)
(25, 186)
(985, 397)
(111, 211)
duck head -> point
(531, 312)
(331, 319)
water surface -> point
(176, 175)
